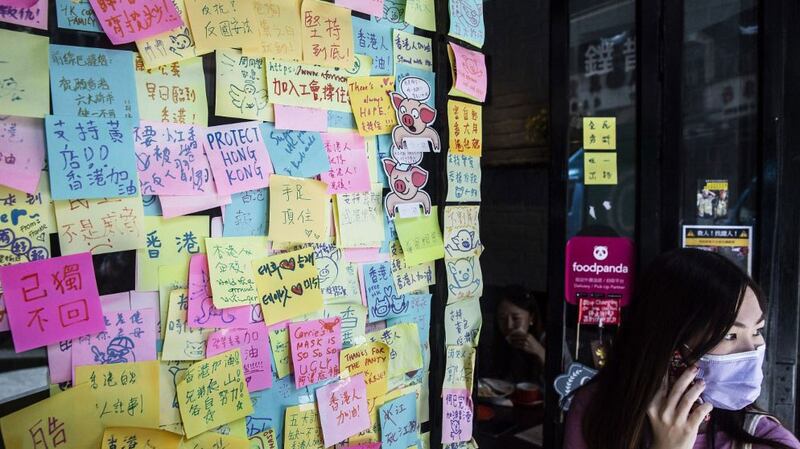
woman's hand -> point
(671, 416)
(527, 343)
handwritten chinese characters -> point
(217, 24)
(466, 21)
(457, 415)
(463, 178)
(288, 284)
(307, 85)
(465, 122)
(299, 210)
(126, 21)
(172, 93)
(253, 342)
(130, 336)
(343, 410)
(349, 171)
(201, 311)
(327, 34)
(469, 72)
(600, 168)
(280, 26)
(126, 394)
(241, 86)
(170, 161)
(382, 297)
(238, 157)
(399, 425)
(100, 226)
(229, 263)
(412, 50)
(599, 133)
(301, 427)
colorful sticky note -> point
(213, 392)
(420, 314)
(393, 13)
(170, 373)
(327, 34)
(600, 133)
(372, 361)
(295, 153)
(405, 351)
(461, 234)
(170, 161)
(78, 74)
(54, 421)
(269, 407)
(315, 348)
(168, 242)
(300, 119)
(295, 84)
(76, 15)
(229, 263)
(253, 341)
(247, 214)
(126, 394)
(25, 89)
(466, 21)
(170, 46)
(280, 27)
(349, 170)
(231, 26)
(180, 341)
(354, 321)
(281, 349)
(139, 437)
(421, 14)
(457, 414)
(22, 156)
(372, 107)
(201, 311)
(301, 427)
(32, 13)
(238, 157)
(468, 69)
(374, 39)
(459, 367)
(288, 284)
(100, 226)
(420, 237)
(463, 322)
(337, 277)
(28, 220)
(174, 93)
(399, 426)
(343, 409)
(51, 300)
(383, 300)
(124, 22)
(170, 277)
(465, 123)
(412, 50)
(463, 178)
(409, 278)
(464, 278)
(360, 218)
(90, 158)
(299, 210)
(130, 336)
(600, 168)
(241, 86)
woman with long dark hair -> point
(686, 366)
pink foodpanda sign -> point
(600, 268)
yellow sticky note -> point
(327, 34)
(420, 237)
(242, 87)
(420, 13)
(459, 367)
(173, 93)
(338, 278)
(213, 392)
(119, 437)
(372, 107)
(462, 235)
(409, 278)
(412, 50)
(464, 278)
(465, 123)
(55, 422)
(231, 24)
(600, 133)
(100, 226)
(362, 66)
(25, 222)
(213, 440)
(182, 342)
(600, 168)
(288, 285)
(169, 374)
(301, 427)
(25, 74)
(171, 46)
(404, 346)
(264, 440)
(299, 210)
(280, 29)
(126, 394)
(281, 351)
(168, 242)
(462, 322)
(360, 218)
(372, 359)
(294, 84)
(237, 428)
(230, 269)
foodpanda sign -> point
(600, 268)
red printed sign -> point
(600, 268)
(598, 311)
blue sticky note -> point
(152, 207)
(344, 120)
(374, 39)
(399, 422)
(90, 157)
(403, 71)
(269, 407)
(92, 82)
(295, 153)
(77, 15)
(383, 300)
(420, 307)
(247, 215)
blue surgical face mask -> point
(733, 381)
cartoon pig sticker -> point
(414, 118)
(406, 182)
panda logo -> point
(600, 252)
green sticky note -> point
(420, 237)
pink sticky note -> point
(21, 152)
(31, 13)
(116, 302)
(148, 300)
(51, 300)
(126, 21)
(457, 414)
(298, 118)
(360, 255)
(170, 160)
(349, 171)
(315, 347)
(349, 396)
(253, 341)
(202, 313)
(371, 7)
(470, 69)
(175, 206)
(129, 337)
(238, 157)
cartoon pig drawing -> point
(406, 182)
(413, 118)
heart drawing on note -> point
(297, 289)
(287, 264)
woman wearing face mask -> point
(697, 312)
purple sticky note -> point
(129, 337)
(22, 154)
(343, 410)
(238, 157)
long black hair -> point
(685, 297)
